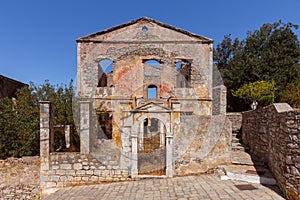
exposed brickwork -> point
(273, 134)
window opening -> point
(183, 76)
(105, 72)
(106, 65)
(153, 63)
(105, 122)
(152, 92)
(178, 65)
(144, 29)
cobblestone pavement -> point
(188, 187)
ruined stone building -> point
(150, 104)
(152, 95)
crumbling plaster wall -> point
(159, 42)
(129, 47)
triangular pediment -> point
(143, 29)
(152, 106)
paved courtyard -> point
(188, 187)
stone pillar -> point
(134, 155)
(162, 134)
(169, 156)
(169, 147)
(85, 126)
(68, 136)
(141, 136)
(46, 129)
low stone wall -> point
(19, 178)
(273, 134)
(70, 169)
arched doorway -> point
(152, 147)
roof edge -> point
(13, 80)
(87, 38)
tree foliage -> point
(20, 121)
(270, 53)
(262, 92)
(291, 94)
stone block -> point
(77, 179)
(80, 172)
(89, 172)
(85, 179)
(54, 178)
(77, 166)
(65, 166)
(97, 172)
(63, 178)
(70, 178)
(94, 178)
(70, 172)
(50, 184)
(60, 172)
(55, 167)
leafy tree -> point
(19, 119)
(291, 94)
(270, 53)
(19, 125)
(262, 92)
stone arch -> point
(153, 115)
(165, 118)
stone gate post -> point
(85, 126)
(46, 129)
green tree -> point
(270, 53)
(262, 92)
(19, 125)
(291, 94)
(19, 119)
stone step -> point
(236, 135)
(239, 159)
(238, 148)
(236, 140)
(251, 174)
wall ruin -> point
(273, 134)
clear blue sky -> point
(37, 38)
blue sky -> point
(37, 37)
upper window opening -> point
(183, 76)
(153, 63)
(178, 65)
(152, 92)
(144, 29)
(106, 65)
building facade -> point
(151, 91)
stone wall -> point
(19, 178)
(236, 120)
(273, 134)
(219, 100)
(70, 169)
